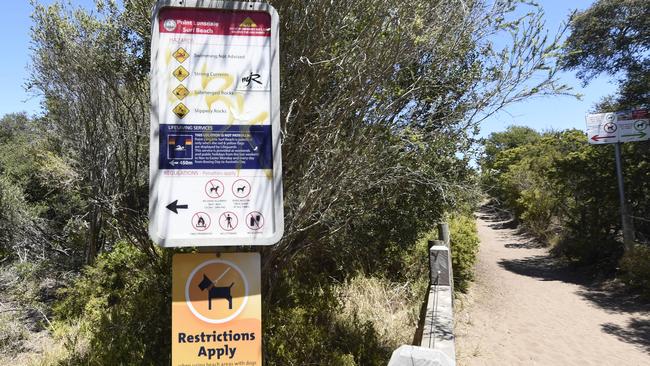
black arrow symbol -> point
(174, 206)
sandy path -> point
(525, 309)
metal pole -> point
(628, 231)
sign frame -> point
(155, 203)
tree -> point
(92, 72)
(513, 136)
(37, 198)
(613, 37)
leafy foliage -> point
(636, 266)
(122, 303)
(613, 37)
(610, 37)
(464, 243)
(565, 192)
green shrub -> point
(302, 323)
(635, 266)
(464, 249)
(123, 306)
(312, 336)
(539, 207)
(588, 246)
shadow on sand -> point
(637, 332)
(606, 294)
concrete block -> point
(438, 329)
(419, 356)
(440, 265)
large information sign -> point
(215, 161)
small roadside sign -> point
(216, 309)
(215, 158)
(616, 128)
(609, 128)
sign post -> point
(616, 128)
(215, 169)
(628, 229)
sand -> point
(527, 309)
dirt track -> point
(526, 309)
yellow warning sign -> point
(180, 73)
(248, 23)
(181, 110)
(181, 92)
(180, 55)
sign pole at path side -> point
(215, 169)
(616, 128)
(628, 229)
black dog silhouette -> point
(241, 189)
(216, 292)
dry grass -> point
(392, 308)
(27, 336)
(12, 334)
(64, 348)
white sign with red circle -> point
(241, 188)
(214, 188)
(228, 221)
(255, 220)
(201, 221)
(617, 127)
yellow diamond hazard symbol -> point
(181, 92)
(181, 110)
(180, 73)
(180, 55)
(248, 23)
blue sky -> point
(14, 70)
(558, 112)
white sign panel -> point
(609, 128)
(215, 160)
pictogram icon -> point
(181, 73)
(181, 55)
(181, 110)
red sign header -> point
(215, 22)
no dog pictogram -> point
(214, 188)
(216, 309)
(216, 291)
